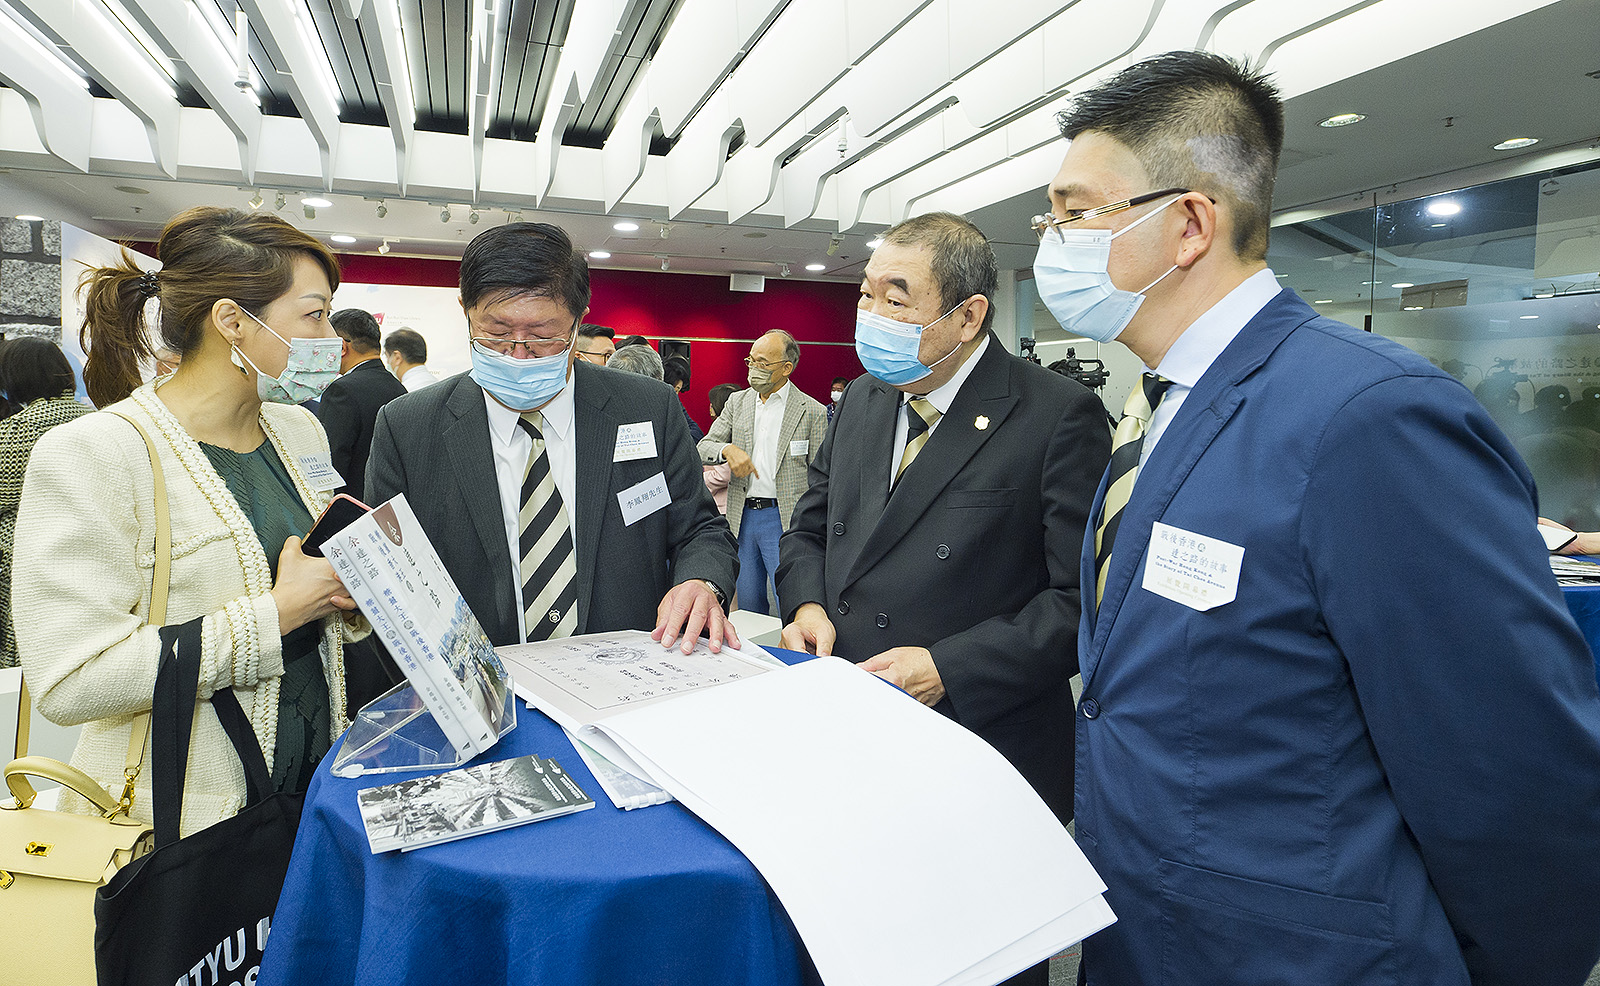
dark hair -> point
(960, 255)
(32, 368)
(207, 254)
(843, 380)
(675, 370)
(524, 259)
(596, 331)
(409, 344)
(358, 328)
(1199, 121)
(719, 397)
(632, 341)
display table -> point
(1584, 602)
(604, 896)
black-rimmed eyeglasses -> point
(1047, 222)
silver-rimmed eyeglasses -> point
(533, 347)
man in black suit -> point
(563, 498)
(351, 403)
(958, 581)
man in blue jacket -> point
(1337, 725)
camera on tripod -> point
(1092, 373)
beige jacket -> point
(805, 425)
(85, 555)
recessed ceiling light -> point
(816, 267)
(756, 235)
(600, 254)
(1369, 282)
(316, 202)
(1512, 143)
(1402, 284)
(131, 189)
(1343, 120)
(874, 244)
(1413, 308)
(342, 238)
(625, 227)
(1437, 225)
(1544, 294)
(31, 219)
(1527, 316)
(1280, 275)
(1324, 301)
(1444, 207)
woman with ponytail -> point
(243, 299)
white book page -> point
(905, 849)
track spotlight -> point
(311, 212)
(444, 214)
(472, 217)
(279, 202)
(382, 210)
(783, 270)
(666, 263)
(256, 200)
(383, 248)
(833, 245)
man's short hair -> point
(632, 341)
(1199, 121)
(718, 398)
(524, 259)
(843, 380)
(962, 260)
(643, 360)
(674, 370)
(791, 349)
(358, 328)
(591, 331)
(409, 344)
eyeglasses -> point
(762, 364)
(534, 347)
(1047, 222)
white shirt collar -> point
(943, 397)
(778, 398)
(557, 413)
(1199, 345)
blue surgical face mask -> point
(888, 349)
(1070, 272)
(312, 365)
(520, 384)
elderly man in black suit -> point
(562, 497)
(350, 405)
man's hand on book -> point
(688, 608)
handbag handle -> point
(17, 772)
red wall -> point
(669, 306)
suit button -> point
(844, 608)
(1091, 708)
(883, 620)
(943, 551)
(838, 528)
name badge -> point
(320, 473)
(643, 499)
(800, 447)
(1200, 572)
(635, 441)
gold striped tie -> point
(1124, 469)
(918, 428)
(548, 565)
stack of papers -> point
(905, 849)
(1574, 571)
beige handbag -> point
(52, 862)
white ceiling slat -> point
(898, 75)
(57, 105)
(704, 150)
(589, 35)
(485, 49)
(274, 24)
(392, 74)
(797, 59)
(868, 23)
(693, 58)
(622, 163)
(85, 27)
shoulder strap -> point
(172, 722)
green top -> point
(266, 494)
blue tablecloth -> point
(1584, 602)
(605, 896)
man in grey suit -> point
(768, 435)
(563, 498)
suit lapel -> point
(466, 440)
(877, 426)
(792, 412)
(1212, 403)
(985, 394)
(594, 433)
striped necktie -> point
(1124, 468)
(549, 565)
(918, 422)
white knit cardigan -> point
(85, 556)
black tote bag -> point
(197, 908)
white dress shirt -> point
(1194, 351)
(769, 424)
(941, 399)
(511, 447)
(418, 377)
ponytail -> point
(114, 337)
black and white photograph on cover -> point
(472, 800)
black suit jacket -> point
(348, 411)
(974, 556)
(433, 446)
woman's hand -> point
(306, 589)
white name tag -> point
(643, 499)
(635, 441)
(800, 447)
(1201, 573)
(320, 472)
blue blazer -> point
(1381, 762)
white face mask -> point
(836, 395)
(1071, 274)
